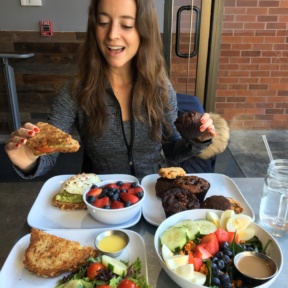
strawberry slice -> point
(94, 192)
(128, 197)
(197, 262)
(135, 190)
(112, 185)
(101, 202)
(221, 235)
(231, 237)
(210, 243)
(125, 186)
(117, 204)
(201, 252)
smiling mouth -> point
(115, 49)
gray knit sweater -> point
(112, 152)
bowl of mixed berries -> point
(114, 201)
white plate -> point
(43, 215)
(219, 185)
(273, 249)
(13, 273)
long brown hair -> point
(150, 87)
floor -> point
(247, 148)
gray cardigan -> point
(112, 152)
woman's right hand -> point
(19, 153)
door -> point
(191, 45)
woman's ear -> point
(220, 141)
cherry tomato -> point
(127, 283)
(94, 269)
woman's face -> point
(116, 34)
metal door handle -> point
(196, 38)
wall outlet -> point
(31, 2)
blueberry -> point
(214, 266)
(215, 281)
(215, 260)
(91, 199)
(110, 193)
(220, 264)
(127, 204)
(216, 272)
(140, 194)
(106, 207)
(224, 279)
(94, 186)
(105, 190)
(224, 245)
(226, 259)
(123, 190)
(119, 183)
(134, 184)
(219, 255)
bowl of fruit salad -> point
(114, 201)
(197, 247)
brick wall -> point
(252, 91)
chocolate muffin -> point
(218, 202)
(194, 184)
(188, 124)
(179, 199)
(162, 185)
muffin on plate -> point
(179, 199)
(166, 179)
(194, 184)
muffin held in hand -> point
(188, 124)
(179, 199)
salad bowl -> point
(273, 250)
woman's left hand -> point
(207, 128)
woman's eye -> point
(127, 27)
(103, 23)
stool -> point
(11, 87)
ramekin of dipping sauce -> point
(256, 267)
(112, 242)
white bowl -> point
(273, 249)
(114, 216)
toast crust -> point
(68, 205)
(53, 138)
(49, 255)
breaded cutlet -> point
(49, 255)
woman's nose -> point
(113, 31)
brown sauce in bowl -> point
(255, 267)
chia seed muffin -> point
(194, 184)
(176, 200)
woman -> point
(120, 100)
